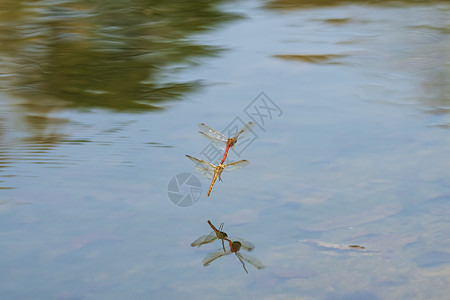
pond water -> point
(347, 194)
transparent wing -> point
(236, 165)
(251, 260)
(208, 131)
(201, 163)
(245, 131)
(208, 173)
(203, 167)
(204, 239)
(244, 244)
(211, 132)
(213, 256)
(218, 143)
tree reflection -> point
(110, 54)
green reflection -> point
(111, 54)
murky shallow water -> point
(358, 156)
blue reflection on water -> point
(356, 158)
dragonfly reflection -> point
(235, 247)
(213, 172)
(220, 141)
(214, 235)
(218, 234)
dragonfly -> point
(213, 172)
(214, 235)
(219, 234)
(221, 141)
(235, 247)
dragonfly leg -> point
(223, 246)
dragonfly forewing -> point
(236, 165)
(244, 131)
(201, 163)
(205, 168)
(204, 239)
(217, 138)
(220, 144)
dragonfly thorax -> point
(235, 246)
(222, 235)
(231, 142)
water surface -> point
(357, 155)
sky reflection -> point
(356, 155)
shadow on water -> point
(118, 55)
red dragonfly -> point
(235, 246)
(213, 172)
(222, 142)
(219, 234)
